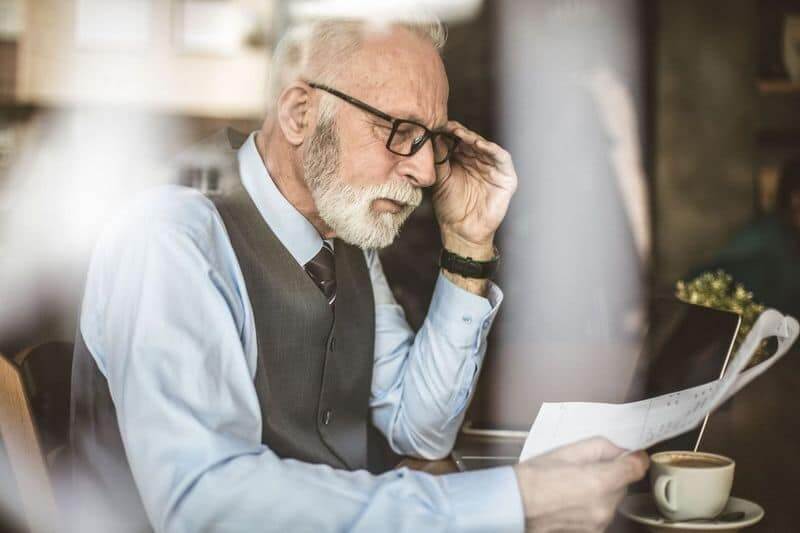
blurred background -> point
(654, 140)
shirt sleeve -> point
(422, 383)
(163, 314)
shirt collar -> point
(294, 230)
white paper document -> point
(639, 425)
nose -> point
(419, 168)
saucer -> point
(642, 509)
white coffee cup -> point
(688, 485)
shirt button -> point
(326, 417)
(467, 319)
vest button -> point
(326, 417)
(333, 344)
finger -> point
(640, 456)
(497, 152)
(615, 499)
(473, 139)
(602, 511)
(465, 134)
(588, 451)
(468, 154)
(612, 476)
(488, 152)
(452, 125)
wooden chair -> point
(34, 427)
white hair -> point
(318, 50)
(347, 209)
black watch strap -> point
(468, 267)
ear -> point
(296, 112)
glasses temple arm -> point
(354, 101)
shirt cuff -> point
(485, 500)
(453, 305)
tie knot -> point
(322, 270)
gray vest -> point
(313, 373)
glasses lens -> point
(407, 138)
(443, 145)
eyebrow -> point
(416, 118)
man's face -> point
(363, 191)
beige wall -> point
(54, 70)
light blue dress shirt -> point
(168, 321)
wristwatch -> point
(467, 266)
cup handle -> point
(664, 492)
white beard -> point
(348, 209)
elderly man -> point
(242, 364)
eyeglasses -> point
(407, 137)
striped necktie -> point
(322, 270)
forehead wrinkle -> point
(379, 75)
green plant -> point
(718, 290)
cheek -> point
(364, 158)
(371, 165)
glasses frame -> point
(396, 123)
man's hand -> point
(472, 201)
(577, 487)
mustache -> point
(399, 191)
